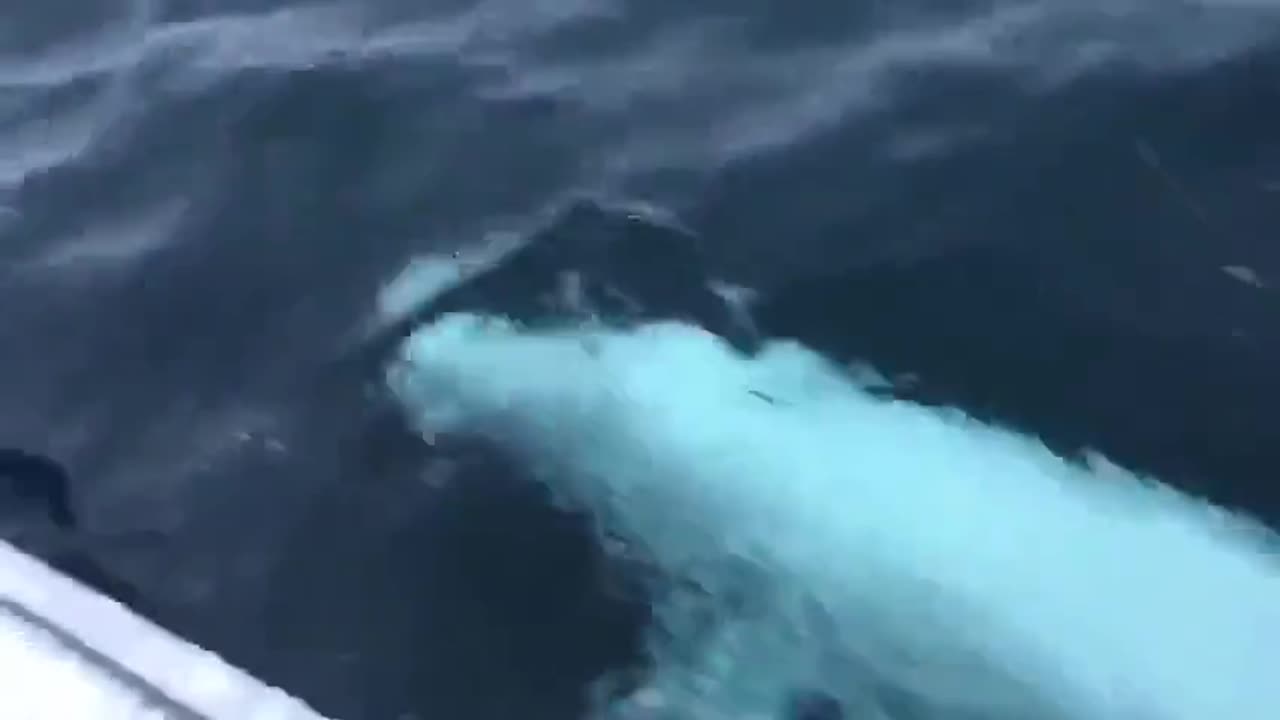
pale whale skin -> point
(912, 563)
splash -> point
(912, 563)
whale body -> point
(908, 562)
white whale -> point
(912, 562)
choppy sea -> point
(1060, 216)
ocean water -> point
(221, 221)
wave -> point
(711, 87)
(910, 562)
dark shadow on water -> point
(38, 479)
(482, 602)
(36, 490)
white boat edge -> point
(88, 639)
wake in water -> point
(911, 563)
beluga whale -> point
(823, 549)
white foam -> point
(426, 277)
(962, 565)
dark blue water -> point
(1049, 214)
